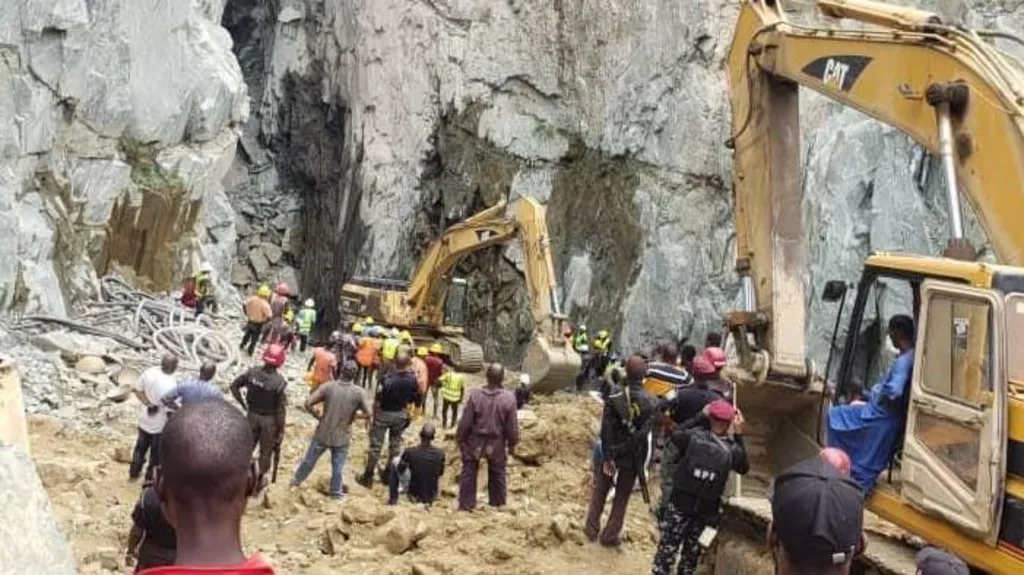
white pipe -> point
(956, 223)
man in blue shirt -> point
(868, 432)
(195, 389)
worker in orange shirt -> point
(367, 357)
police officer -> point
(265, 402)
(707, 455)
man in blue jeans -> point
(343, 402)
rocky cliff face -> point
(376, 123)
(117, 123)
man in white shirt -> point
(154, 384)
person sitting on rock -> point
(421, 467)
(203, 486)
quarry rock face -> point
(117, 128)
(612, 113)
(376, 124)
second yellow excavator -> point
(956, 478)
(432, 304)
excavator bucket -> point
(551, 367)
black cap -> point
(817, 514)
(932, 561)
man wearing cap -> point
(716, 357)
(626, 423)
(435, 366)
(817, 520)
(265, 402)
(257, 314)
(868, 432)
(933, 561)
(419, 367)
(686, 405)
(707, 455)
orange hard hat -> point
(274, 355)
(281, 289)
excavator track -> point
(465, 354)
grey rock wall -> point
(613, 112)
(83, 86)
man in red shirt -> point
(435, 366)
(203, 484)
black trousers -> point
(251, 336)
(303, 341)
(454, 407)
(145, 442)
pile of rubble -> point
(269, 241)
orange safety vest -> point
(366, 355)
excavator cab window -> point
(867, 351)
(455, 303)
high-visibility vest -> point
(389, 349)
(602, 344)
(582, 342)
(366, 355)
(306, 319)
(202, 282)
(451, 387)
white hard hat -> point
(206, 268)
(310, 303)
(524, 378)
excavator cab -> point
(956, 476)
(456, 303)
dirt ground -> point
(85, 466)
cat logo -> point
(837, 73)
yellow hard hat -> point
(357, 328)
(603, 333)
(368, 320)
(436, 348)
(263, 291)
(405, 336)
(421, 351)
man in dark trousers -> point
(151, 541)
(395, 394)
(265, 401)
(817, 520)
(686, 404)
(423, 467)
(203, 485)
(626, 424)
(488, 430)
(707, 455)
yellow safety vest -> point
(389, 349)
(601, 344)
(306, 319)
(451, 387)
(582, 342)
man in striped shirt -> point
(667, 370)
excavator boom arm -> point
(899, 74)
(490, 227)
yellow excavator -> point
(957, 479)
(432, 304)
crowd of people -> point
(674, 407)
